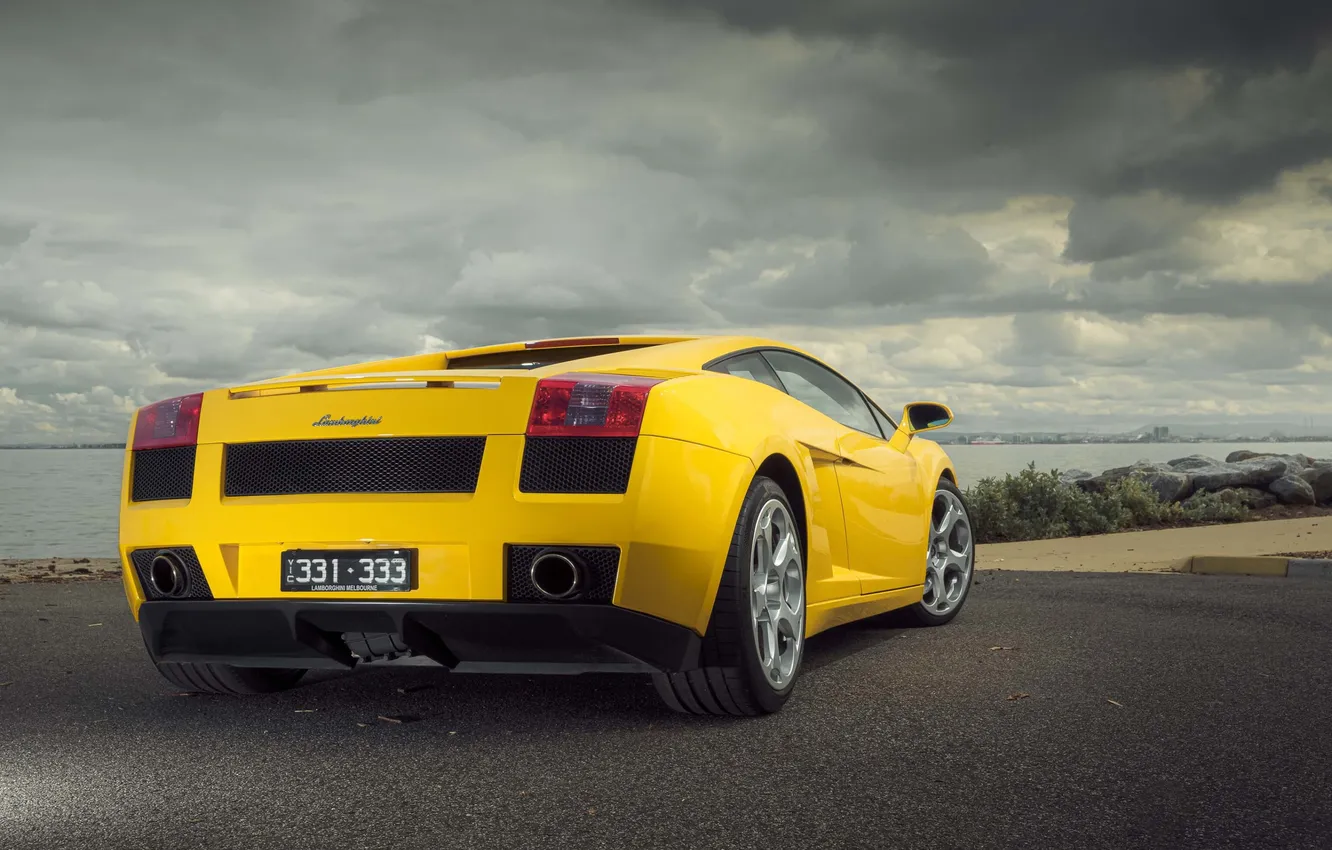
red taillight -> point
(170, 423)
(589, 405)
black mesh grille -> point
(601, 565)
(577, 464)
(197, 588)
(162, 474)
(364, 465)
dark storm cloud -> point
(1094, 34)
(1051, 95)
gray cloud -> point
(1113, 228)
(871, 265)
(196, 194)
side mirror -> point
(925, 416)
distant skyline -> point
(1049, 215)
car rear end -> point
(482, 519)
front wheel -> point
(755, 641)
(950, 559)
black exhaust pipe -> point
(168, 575)
(556, 576)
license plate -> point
(348, 570)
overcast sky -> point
(1099, 213)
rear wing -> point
(432, 379)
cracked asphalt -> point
(1058, 710)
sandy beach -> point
(25, 570)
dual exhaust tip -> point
(557, 576)
(168, 575)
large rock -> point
(1294, 463)
(1255, 472)
(1293, 490)
(1193, 462)
(1170, 486)
(1070, 477)
(1098, 483)
(1320, 479)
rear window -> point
(535, 358)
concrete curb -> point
(1259, 565)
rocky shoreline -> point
(1257, 480)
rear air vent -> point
(160, 474)
(355, 465)
(577, 464)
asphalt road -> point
(1219, 735)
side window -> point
(751, 366)
(823, 390)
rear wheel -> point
(950, 560)
(755, 641)
(229, 680)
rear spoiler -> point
(426, 379)
(462, 379)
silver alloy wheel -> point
(951, 554)
(777, 594)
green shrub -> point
(1141, 506)
(1092, 513)
(1207, 506)
(1036, 506)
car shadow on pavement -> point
(419, 691)
(398, 696)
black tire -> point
(918, 613)
(730, 680)
(229, 680)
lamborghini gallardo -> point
(691, 509)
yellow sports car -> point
(693, 508)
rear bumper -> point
(672, 526)
(462, 636)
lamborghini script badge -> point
(328, 421)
